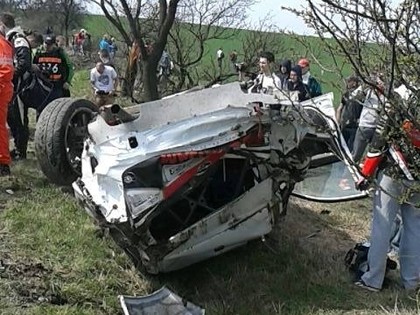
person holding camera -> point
(104, 81)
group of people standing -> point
(35, 71)
(288, 77)
(374, 127)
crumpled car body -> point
(195, 175)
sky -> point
(283, 19)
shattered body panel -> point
(197, 174)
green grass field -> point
(55, 261)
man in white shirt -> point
(220, 55)
(266, 81)
(104, 81)
(369, 118)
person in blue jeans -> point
(397, 190)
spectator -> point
(104, 43)
(368, 118)
(6, 94)
(80, 40)
(284, 73)
(295, 84)
(348, 112)
(105, 58)
(220, 55)
(266, 82)
(312, 84)
(61, 42)
(54, 64)
(164, 64)
(49, 30)
(104, 81)
(35, 40)
(21, 78)
(113, 49)
(395, 191)
(233, 57)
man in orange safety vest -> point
(6, 94)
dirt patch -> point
(27, 282)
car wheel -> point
(60, 133)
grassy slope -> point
(54, 261)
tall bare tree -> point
(38, 14)
(13, 5)
(145, 24)
(70, 12)
(263, 36)
(197, 23)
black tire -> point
(59, 136)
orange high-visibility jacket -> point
(6, 64)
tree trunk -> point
(150, 83)
(182, 78)
(127, 87)
(66, 35)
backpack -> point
(356, 260)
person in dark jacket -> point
(295, 84)
(348, 112)
(21, 78)
(284, 73)
(54, 64)
(313, 85)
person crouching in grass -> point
(104, 81)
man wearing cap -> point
(313, 85)
(54, 63)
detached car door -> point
(329, 179)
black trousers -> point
(18, 121)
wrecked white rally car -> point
(194, 175)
